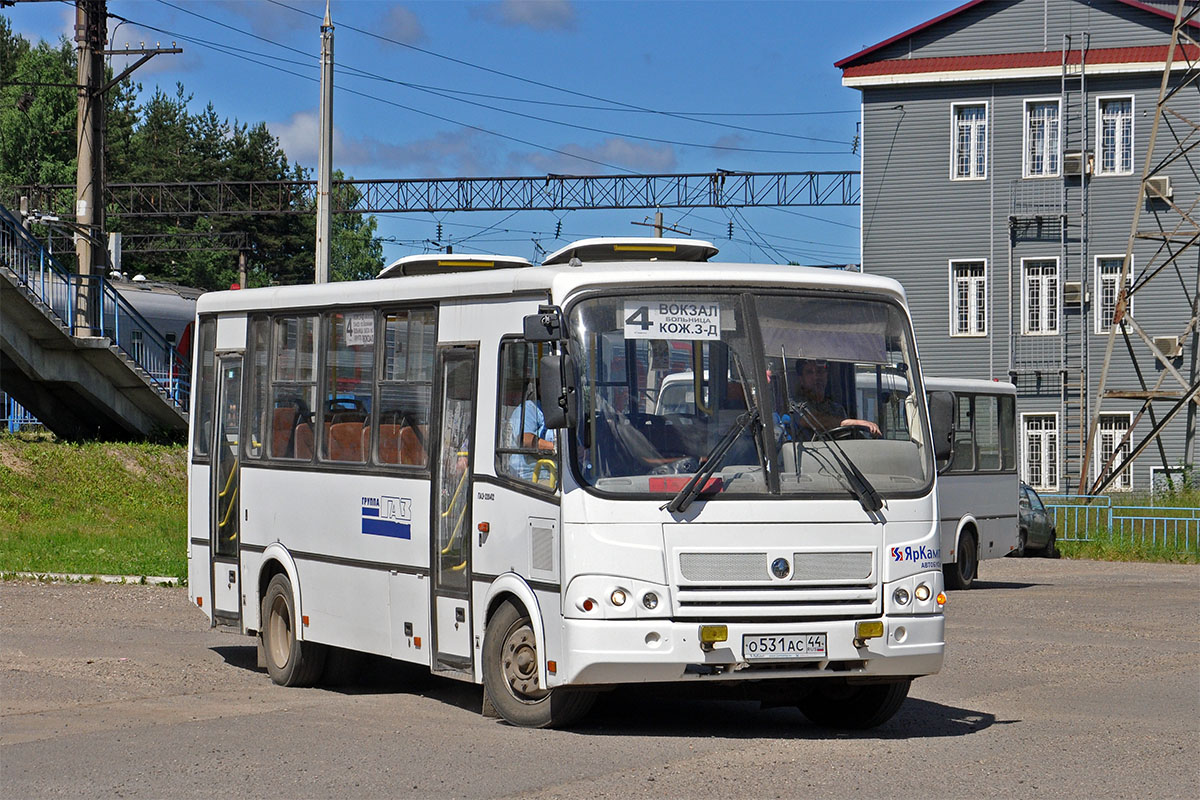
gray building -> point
(1003, 149)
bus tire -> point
(962, 573)
(290, 662)
(510, 664)
(854, 706)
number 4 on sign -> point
(641, 318)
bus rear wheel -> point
(510, 667)
(854, 706)
(290, 662)
(961, 574)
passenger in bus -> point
(819, 411)
(529, 431)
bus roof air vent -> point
(443, 263)
(633, 248)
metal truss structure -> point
(719, 189)
(1174, 224)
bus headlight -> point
(650, 601)
(922, 592)
(617, 597)
(900, 596)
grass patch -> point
(1106, 548)
(112, 509)
(1136, 525)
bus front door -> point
(224, 504)
(451, 506)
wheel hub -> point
(520, 665)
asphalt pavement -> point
(1062, 679)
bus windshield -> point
(810, 381)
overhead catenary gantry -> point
(720, 189)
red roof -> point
(1112, 55)
(955, 11)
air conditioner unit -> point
(1076, 163)
(1072, 293)
(1159, 187)
(1170, 346)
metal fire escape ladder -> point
(1075, 162)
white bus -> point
(978, 484)
(467, 472)
(978, 487)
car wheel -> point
(961, 574)
(290, 662)
(1051, 549)
(510, 665)
(854, 707)
(1022, 544)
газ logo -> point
(387, 516)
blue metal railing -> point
(1087, 517)
(14, 417)
(111, 316)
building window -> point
(1110, 440)
(1039, 467)
(1039, 309)
(968, 298)
(1041, 138)
(1115, 136)
(1108, 274)
(969, 146)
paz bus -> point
(977, 483)
(465, 467)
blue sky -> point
(756, 77)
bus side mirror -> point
(941, 420)
(545, 326)
(556, 391)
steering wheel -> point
(849, 432)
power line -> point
(447, 94)
(508, 75)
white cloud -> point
(401, 24)
(269, 20)
(540, 15)
(461, 153)
(617, 152)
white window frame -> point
(975, 304)
(1048, 303)
(1100, 101)
(1100, 319)
(1055, 150)
(954, 151)
(1124, 481)
(1049, 455)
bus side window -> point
(258, 427)
(964, 436)
(293, 386)
(404, 388)
(349, 367)
(525, 449)
(987, 432)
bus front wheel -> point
(962, 573)
(510, 675)
(854, 706)
(290, 662)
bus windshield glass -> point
(817, 385)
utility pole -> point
(91, 34)
(325, 159)
(659, 227)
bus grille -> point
(820, 584)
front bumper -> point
(646, 651)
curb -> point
(69, 577)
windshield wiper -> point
(712, 461)
(860, 487)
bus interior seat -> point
(412, 447)
(304, 441)
(964, 453)
(283, 423)
(345, 441)
(389, 443)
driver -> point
(820, 409)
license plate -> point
(783, 646)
